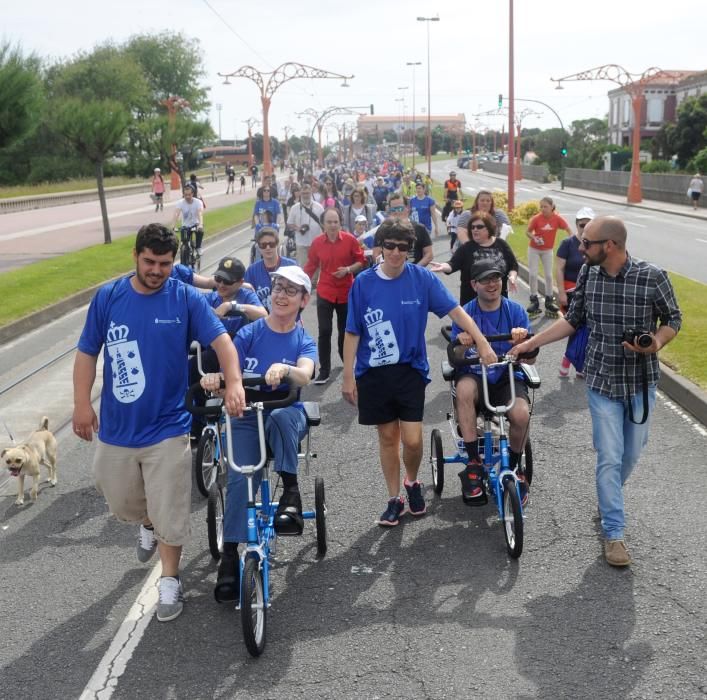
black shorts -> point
(695, 195)
(500, 392)
(390, 393)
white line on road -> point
(701, 240)
(633, 223)
(105, 678)
(685, 416)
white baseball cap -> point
(295, 275)
(585, 213)
(360, 217)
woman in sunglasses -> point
(385, 342)
(484, 244)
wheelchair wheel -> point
(253, 610)
(527, 462)
(214, 521)
(512, 519)
(437, 461)
(205, 463)
(320, 516)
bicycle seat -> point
(311, 410)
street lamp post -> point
(219, 107)
(634, 84)
(401, 103)
(281, 74)
(173, 103)
(427, 20)
(404, 87)
(250, 123)
(511, 107)
(414, 133)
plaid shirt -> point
(639, 296)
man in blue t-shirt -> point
(385, 343)
(276, 348)
(494, 314)
(235, 305)
(142, 465)
(258, 275)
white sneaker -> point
(200, 251)
(171, 601)
(146, 544)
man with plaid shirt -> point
(617, 294)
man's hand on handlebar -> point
(526, 346)
(233, 395)
(276, 373)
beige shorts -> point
(148, 482)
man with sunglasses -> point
(617, 296)
(420, 252)
(235, 305)
(385, 347)
(258, 275)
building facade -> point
(663, 95)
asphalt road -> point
(433, 608)
(676, 243)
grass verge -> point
(684, 354)
(40, 284)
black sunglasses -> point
(477, 227)
(267, 244)
(223, 280)
(588, 244)
(391, 245)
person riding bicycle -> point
(278, 348)
(259, 274)
(191, 211)
(494, 314)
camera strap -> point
(311, 214)
(644, 381)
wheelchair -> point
(500, 482)
(256, 555)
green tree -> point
(93, 128)
(688, 136)
(172, 65)
(548, 146)
(21, 95)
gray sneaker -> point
(171, 599)
(146, 544)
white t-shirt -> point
(190, 211)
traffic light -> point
(563, 150)
(372, 112)
(500, 101)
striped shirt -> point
(637, 298)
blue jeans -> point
(284, 429)
(618, 443)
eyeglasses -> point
(396, 210)
(267, 244)
(490, 279)
(391, 245)
(477, 227)
(588, 244)
(278, 288)
(582, 224)
(223, 280)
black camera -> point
(637, 337)
(304, 228)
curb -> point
(686, 394)
(50, 313)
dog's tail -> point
(44, 423)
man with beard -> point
(621, 299)
(144, 323)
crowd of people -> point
(364, 236)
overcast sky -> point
(373, 40)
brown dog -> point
(24, 459)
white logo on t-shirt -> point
(126, 365)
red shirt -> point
(329, 257)
(546, 228)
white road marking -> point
(633, 223)
(524, 189)
(105, 678)
(682, 414)
(701, 240)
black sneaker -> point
(322, 377)
(228, 583)
(391, 515)
(288, 516)
(416, 501)
(473, 491)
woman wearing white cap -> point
(568, 262)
